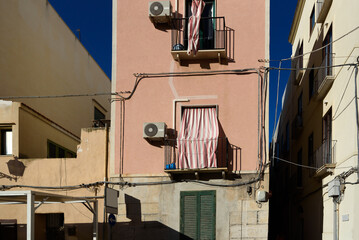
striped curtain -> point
(193, 26)
(198, 138)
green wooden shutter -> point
(207, 215)
(198, 215)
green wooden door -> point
(198, 215)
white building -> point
(318, 125)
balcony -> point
(325, 78)
(325, 159)
(297, 126)
(322, 7)
(214, 39)
(171, 163)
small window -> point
(98, 115)
(312, 21)
(287, 143)
(6, 141)
(311, 150)
(311, 83)
(56, 151)
(299, 169)
(300, 105)
(327, 53)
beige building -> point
(40, 56)
(41, 143)
(318, 127)
(61, 196)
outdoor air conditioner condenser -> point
(154, 130)
(159, 11)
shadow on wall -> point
(138, 229)
(51, 226)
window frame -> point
(57, 149)
(198, 195)
(312, 21)
(4, 142)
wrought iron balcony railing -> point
(325, 154)
(214, 38)
(172, 153)
(325, 76)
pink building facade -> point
(188, 128)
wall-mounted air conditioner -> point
(160, 12)
(154, 130)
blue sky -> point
(94, 19)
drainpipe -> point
(174, 111)
(335, 218)
(106, 180)
(356, 114)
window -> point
(207, 24)
(327, 137)
(300, 105)
(98, 115)
(299, 169)
(50, 226)
(312, 21)
(287, 137)
(56, 151)
(198, 215)
(311, 150)
(300, 53)
(327, 53)
(6, 141)
(198, 138)
(311, 83)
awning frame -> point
(30, 198)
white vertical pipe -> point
(30, 226)
(335, 218)
(174, 111)
(95, 220)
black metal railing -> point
(325, 154)
(212, 33)
(325, 70)
(221, 152)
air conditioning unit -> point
(159, 12)
(154, 130)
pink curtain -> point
(198, 138)
(193, 26)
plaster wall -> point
(88, 167)
(238, 216)
(41, 56)
(31, 131)
(148, 50)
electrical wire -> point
(276, 103)
(140, 76)
(313, 68)
(296, 164)
(318, 49)
(61, 96)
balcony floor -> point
(201, 54)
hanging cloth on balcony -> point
(193, 26)
(198, 138)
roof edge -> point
(295, 22)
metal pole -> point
(335, 217)
(356, 114)
(30, 227)
(95, 220)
